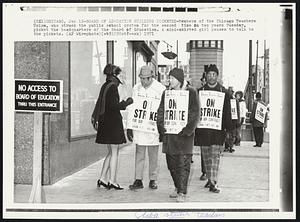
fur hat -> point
(178, 74)
(213, 68)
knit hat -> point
(178, 74)
(258, 95)
(213, 67)
(146, 71)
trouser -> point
(179, 166)
(211, 157)
(140, 154)
(238, 135)
(258, 135)
(230, 138)
(203, 170)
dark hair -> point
(258, 95)
(117, 70)
(108, 70)
(111, 69)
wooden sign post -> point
(38, 96)
(36, 191)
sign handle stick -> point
(36, 191)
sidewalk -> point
(243, 177)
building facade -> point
(204, 52)
(68, 137)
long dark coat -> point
(110, 126)
(208, 137)
(183, 142)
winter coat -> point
(154, 90)
(110, 126)
(208, 137)
(253, 121)
(183, 142)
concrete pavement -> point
(243, 177)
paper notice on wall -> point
(143, 114)
(176, 110)
(260, 112)
(211, 109)
(233, 109)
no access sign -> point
(39, 95)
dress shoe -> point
(138, 184)
(208, 184)
(153, 184)
(203, 176)
(101, 183)
(214, 188)
(255, 145)
(226, 150)
(114, 186)
(231, 150)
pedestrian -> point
(107, 120)
(208, 137)
(179, 147)
(258, 119)
(231, 135)
(149, 88)
(203, 170)
(243, 112)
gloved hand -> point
(128, 101)
(130, 134)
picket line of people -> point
(179, 116)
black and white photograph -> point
(112, 114)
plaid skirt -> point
(211, 158)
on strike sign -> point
(211, 109)
(176, 110)
(143, 114)
(38, 95)
(260, 112)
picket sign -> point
(233, 107)
(176, 110)
(211, 109)
(260, 112)
(143, 113)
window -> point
(213, 44)
(199, 44)
(87, 61)
(206, 43)
(123, 55)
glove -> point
(242, 120)
(128, 101)
(129, 134)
